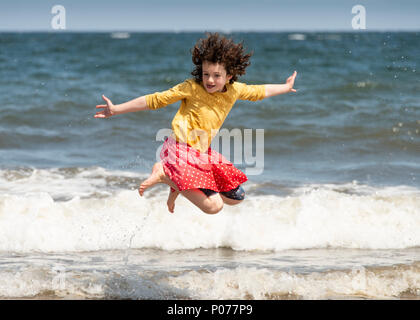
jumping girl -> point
(188, 165)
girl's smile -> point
(214, 77)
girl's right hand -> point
(108, 109)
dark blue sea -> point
(334, 212)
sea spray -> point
(311, 216)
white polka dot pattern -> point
(189, 168)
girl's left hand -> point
(291, 81)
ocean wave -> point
(63, 184)
(43, 282)
(87, 210)
(265, 284)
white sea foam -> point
(313, 217)
(297, 36)
(120, 35)
(236, 283)
(63, 183)
(253, 283)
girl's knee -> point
(213, 206)
(231, 202)
(234, 196)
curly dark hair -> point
(219, 49)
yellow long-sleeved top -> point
(201, 114)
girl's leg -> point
(157, 176)
(171, 200)
(229, 201)
(208, 204)
(234, 196)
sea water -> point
(335, 212)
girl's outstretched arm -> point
(276, 89)
(109, 109)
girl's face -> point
(214, 77)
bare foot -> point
(157, 176)
(171, 200)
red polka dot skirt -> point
(189, 168)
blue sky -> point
(214, 15)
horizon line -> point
(204, 30)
